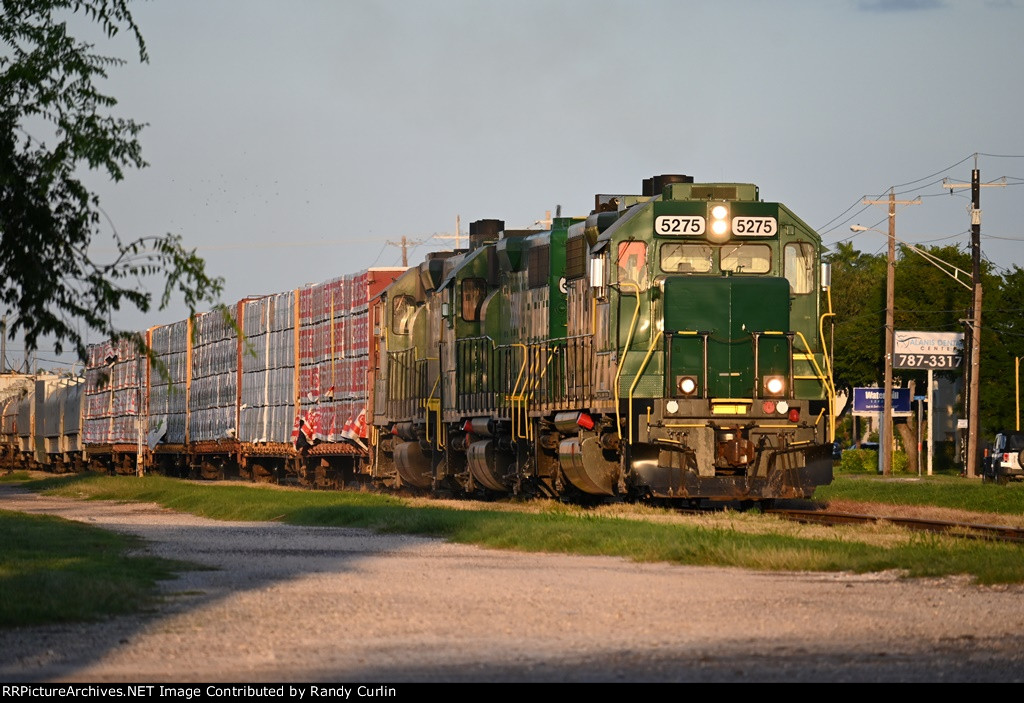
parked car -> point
(869, 446)
(1005, 461)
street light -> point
(885, 442)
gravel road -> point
(308, 604)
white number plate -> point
(679, 224)
(754, 226)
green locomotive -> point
(667, 346)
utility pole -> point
(457, 236)
(974, 378)
(405, 244)
(885, 441)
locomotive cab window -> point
(747, 258)
(687, 258)
(798, 263)
(402, 308)
(632, 265)
(473, 292)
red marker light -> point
(768, 407)
(794, 415)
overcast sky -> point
(290, 142)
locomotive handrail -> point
(553, 352)
(513, 397)
(625, 350)
(531, 386)
(425, 404)
(826, 381)
(522, 400)
(636, 380)
(828, 363)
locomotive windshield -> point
(747, 258)
(700, 258)
(687, 258)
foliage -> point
(54, 123)
(927, 297)
(865, 461)
(858, 461)
(858, 300)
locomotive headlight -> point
(687, 385)
(719, 223)
(774, 385)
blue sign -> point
(872, 400)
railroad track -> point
(966, 530)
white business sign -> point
(928, 350)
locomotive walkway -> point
(302, 604)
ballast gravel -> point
(309, 604)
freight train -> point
(668, 346)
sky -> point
(293, 142)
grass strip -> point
(941, 491)
(558, 529)
(54, 570)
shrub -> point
(865, 461)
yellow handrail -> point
(636, 380)
(525, 399)
(426, 406)
(625, 350)
(826, 381)
(515, 388)
(536, 383)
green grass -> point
(54, 570)
(942, 491)
(733, 540)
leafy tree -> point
(858, 300)
(1002, 342)
(926, 298)
(54, 123)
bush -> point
(865, 461)
(859, 461)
